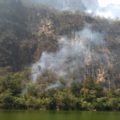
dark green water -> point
(40, 115)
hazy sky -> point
(104, 3)
(104, 9)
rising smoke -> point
(83, 54)
(77, 55)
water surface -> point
(63, 115)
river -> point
(63, 115)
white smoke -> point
(104, 3)
(105, 8)
(74, 53)
(108, 9)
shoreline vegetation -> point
(18, 92)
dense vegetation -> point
(27, 31)
(17, 92)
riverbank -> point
(16, 93)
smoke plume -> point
(76, 54)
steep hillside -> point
(46, 53)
